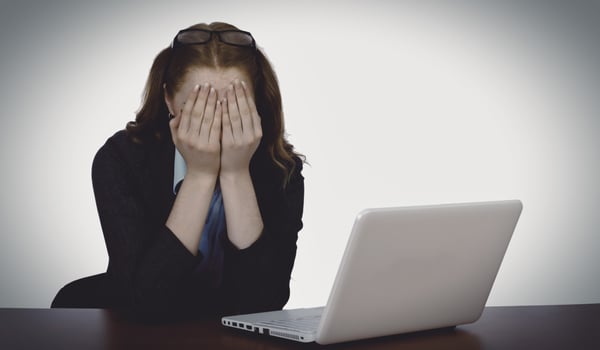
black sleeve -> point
(257, 278)
(147, 262)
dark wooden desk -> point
(519, 327)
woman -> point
(200, 198)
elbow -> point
(152, 308)
(157, 305)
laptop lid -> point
(416, 268)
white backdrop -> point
(393, 102)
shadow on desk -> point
(516, 327)
(437, 339)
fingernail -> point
(196, 87)
(212, 91)
(243, 83)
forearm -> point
(244, 222)
(258, 277)
(189, 211)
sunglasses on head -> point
(202, 36)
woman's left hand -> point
(241, 130)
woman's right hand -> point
(196, 132)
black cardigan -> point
(149, 269)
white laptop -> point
(404, 270)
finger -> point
(198, 110)
(208, 115)
(226, 132)
(174, 123)
(184, 124)
(234, 114)
(215, 130)
(256, 122)
(245, 116)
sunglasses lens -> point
(193, 37)
(236, 38)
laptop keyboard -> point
(303, 324)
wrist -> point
(234, 176)
(200, 178)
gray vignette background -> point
(394, 103)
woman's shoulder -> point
(298, 163)
(121, 142)
(266, 173)
(121, 148)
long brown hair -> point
(169, 69)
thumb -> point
(174, 122)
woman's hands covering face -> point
(242, 130)
(217, 136)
